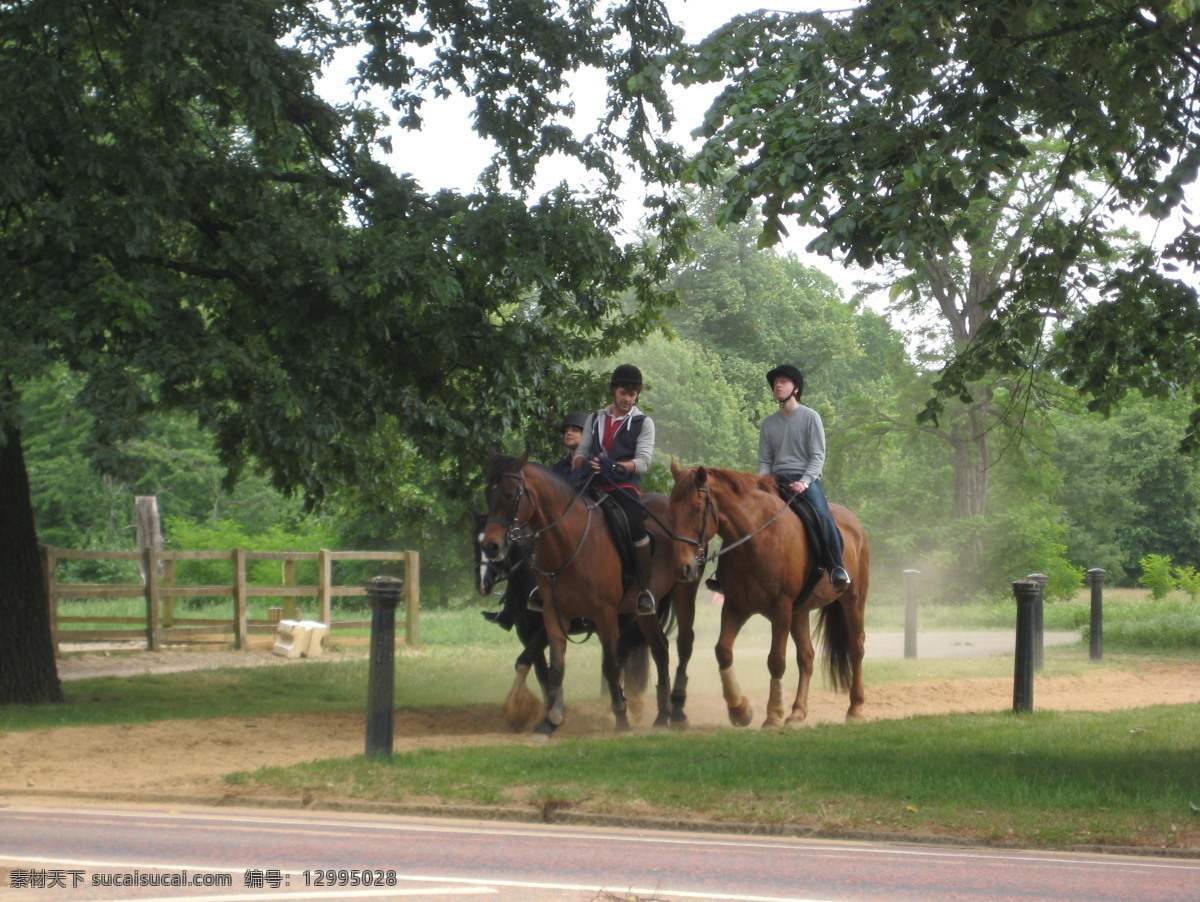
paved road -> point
(256, 856)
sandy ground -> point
(189, 758)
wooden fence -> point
(161, 623)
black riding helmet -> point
(787, 371)
(576, 419)
(626, 374)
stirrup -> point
(713, 583)
(839, 578)
(534, 602)
(645, 602)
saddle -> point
(812, 530)
(618, 528)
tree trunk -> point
(971, 478)
(28, 673)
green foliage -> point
(1187, 578)
(883, 126)
(1157, 575)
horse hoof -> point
(544, 731)
(679, 722)
(662, 724)
(772, 722)
(855, 717)
(796, 721)
(742, 714)
(539, 738)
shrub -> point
(1188, 580)
(1156, 575)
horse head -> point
(509, 505)
(694, 513)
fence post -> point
(150, 562)
(1026, 593)
(239, 598)
(412, 614)
(910, 613)
(1096, 640)
(384, 593)
(325, 587)
(50, 576)
(1039, 620)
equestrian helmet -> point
(789, 372)
(576, 419)
(626, 374)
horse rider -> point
(791, 448)
(617, 446)
(572, 435)
(571, 430)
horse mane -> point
(502, 464)
(743, 483)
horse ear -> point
(674, 467)
(519, 462)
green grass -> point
(1043, 779)
(1047, 779)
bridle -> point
(701, 542)
(520, 534)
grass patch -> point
(1050, 779)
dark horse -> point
(578, 570)
(767, 568)
(521, 708)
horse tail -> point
(831, 624)
(637, 668)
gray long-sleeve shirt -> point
(792, 444)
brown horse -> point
(765, 567)
(578, 570)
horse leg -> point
(522, 710)
(856, 649)
(685, 641)
(805, 656)
(611, 668)
(656, 641)
(777, 661)
(555, 708)
(741, 712)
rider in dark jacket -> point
(618, 447)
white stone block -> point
(317, 631)
(292, 638)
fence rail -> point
(159, 590)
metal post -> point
(1039, 631)
(910, 613)
(1096, 640)
(384, 593)
(1026, 593)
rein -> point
(701, 543)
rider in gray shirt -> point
(791, 448)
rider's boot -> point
(642, 561)
(501, 618)
(839, 577)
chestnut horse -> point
(765, 566)
(577, 567)
(521, 708)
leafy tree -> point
(1126, 490)
(885, 126)
(188, 225)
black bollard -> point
(1026, 593)
(1096, 639)
(384, 593)
(1039, 631)
(910, 613)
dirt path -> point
(190, 757)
